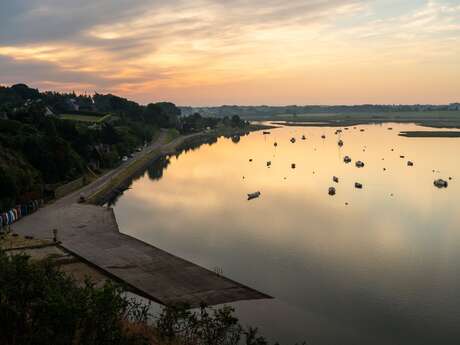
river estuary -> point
(377, 265)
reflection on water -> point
(377, 265)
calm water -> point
(383, 269)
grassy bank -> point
(430, 134)
(436, 119)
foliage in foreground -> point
(41, 305)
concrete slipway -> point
(91, 233)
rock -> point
(359, 164)
(440, 183)
(358, 185)
(275, 144)
(331, 191)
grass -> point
(436, 119)
(11, 242)
(430, 134)
(85, 118)
(130, 170)
(172, 134)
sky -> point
(248, 52)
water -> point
(383, 269)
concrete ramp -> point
(91, 233)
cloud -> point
(159, 48)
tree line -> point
(38, 148)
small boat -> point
(293, 165)
(266, 132)
(253, 195)
(340, 143)
(347, 159)
(440, 183)
(358, 185)
(269, 163)
(410, 164)
(331, 191)
(323, 136)
(359, 164)
(304, 137)
(275, 144)
(335, 179)
(293, 140)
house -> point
(48, 112)
(454, 106)
(73, 104)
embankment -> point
(123, 179)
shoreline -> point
(119, 183)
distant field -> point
(85, 118)
(437, 119)
(383, 115)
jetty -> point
(91, 233)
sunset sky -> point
(204, 52)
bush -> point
(40, 305)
